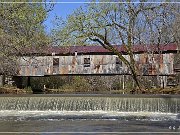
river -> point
(89, 114)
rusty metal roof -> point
(59, 50)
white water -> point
(110, 115)
(88, 114)
(81, 113)
(107, 104)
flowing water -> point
(89, 113)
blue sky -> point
(63, 10)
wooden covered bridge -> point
(95, 60)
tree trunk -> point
(135, 77)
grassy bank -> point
(167, 90)
(8, 89)
(75, 90)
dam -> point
(87, 113)
(167, 104)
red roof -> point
(58, 50)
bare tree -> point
(108, 24)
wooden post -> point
(28, 81)
(1, 80)
(123, 83)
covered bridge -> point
(95, 60)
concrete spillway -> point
(165, 104)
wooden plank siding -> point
(148, 64)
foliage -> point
(21, 27)
(117, 86)
(80, 84)
(95, 84)
(52, 82)
(28, 88)
(101, 83)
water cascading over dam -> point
(91, 103)
(90, 113)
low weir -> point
(118, 103)
(89, 113)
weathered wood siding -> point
(148, 64)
